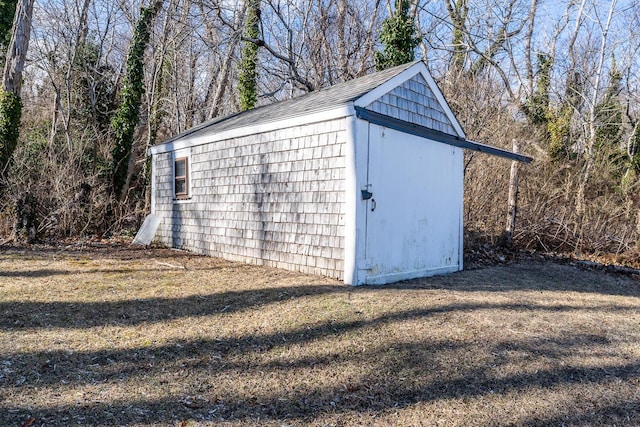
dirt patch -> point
(126, 336)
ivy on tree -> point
(7, 12)
(10, 113)
(634, 150)
(609, 113)
(127, 117)
(398, 36)
(555, 121)
(247, 80)
(458, 12)
(18, 35)
(537, 106)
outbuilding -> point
(362, 181)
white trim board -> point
(408, 275)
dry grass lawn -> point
(118, 336)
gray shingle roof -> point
(324, 99)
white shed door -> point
(414, 214)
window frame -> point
(179, 156)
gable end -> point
(414, 102)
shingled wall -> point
(414, 102)
(275, 198)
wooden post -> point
(513, 198)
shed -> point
(362, 181)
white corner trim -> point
(154, 169)
(350, 206)
(461, 213)
(461, 240)
(307, 119)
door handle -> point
(373, 205)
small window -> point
(181, 178)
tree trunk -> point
(223, 79)
(247, 69)
(10, 102)
(17, 52)
(128, 115)
(7, 13)
(591, 125)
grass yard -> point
(120, 336)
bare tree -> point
(591, 115)
(10, 103)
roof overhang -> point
(434, 135)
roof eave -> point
(185, 141)
(435, 135)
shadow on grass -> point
(92, 251)
(617, 414)
(44, 272)
(392, 375)
(530, 276)
(60, 314)
(168, 411)
(399, 376)
(77, 315)
(161, 267)
(526, 276)
(218, 355)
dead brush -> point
(547, 218)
